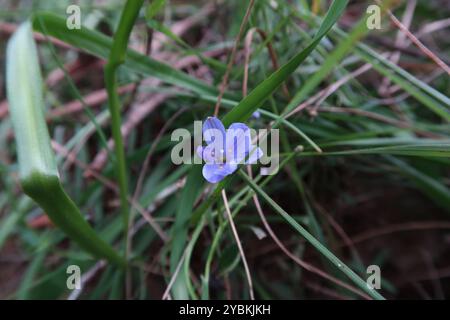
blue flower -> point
(225, 149)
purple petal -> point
(212, 123)
(214, 173)
(238, 142)
(205, 153)
(211, 174)
(239, 126)
(229, 168)
(200, 151)
(255, 154)
(213, 154)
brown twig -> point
(399, 42)
(93, 99)
(166, 294)
(417, 42)
(238, 242)
(139, 186)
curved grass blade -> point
(37, 166)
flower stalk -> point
(116, 58)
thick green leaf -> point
(38, 172)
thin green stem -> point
(116, 58)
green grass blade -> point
(431, 150)
(8, 223)
(33, 269)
